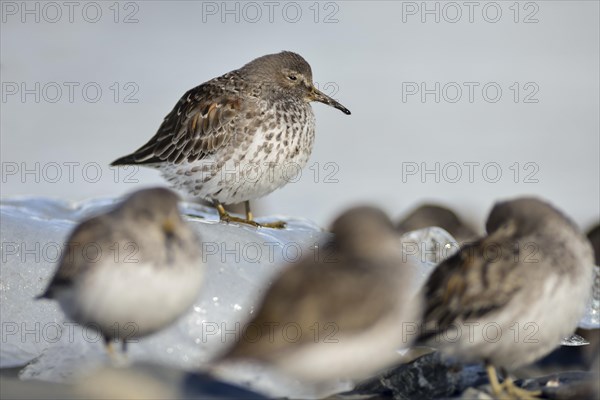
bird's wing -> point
(478, 279)
(315, 302)
(200, 123)
(83, 247)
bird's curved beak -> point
(316, 95)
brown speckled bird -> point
(349, 306)
(509, 298)
(236, 138)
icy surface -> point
(574, 340)
(429, 247)
(241, 262)
(591, 319)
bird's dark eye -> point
(292, 77)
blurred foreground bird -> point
(130, 272)
(509, 298)
(341, 315)
(594, 237)
(240, 136)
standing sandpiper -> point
(236, 138)
(509, 298)
(132, 271)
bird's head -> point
(362, 228)
(526, 214)
(287, 74)
(156, 208)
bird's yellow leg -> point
(493, 377)
(249, 216)
(507, 389)
(110, 349)
(223, 215)
(516, 392)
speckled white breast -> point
(253, 164)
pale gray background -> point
(368, 53)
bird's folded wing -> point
(480, 278)
(200, 123)
(85, 246)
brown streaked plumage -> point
(355, 296)
(231, 139)
(528, 280)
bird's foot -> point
(193, 216)
(515, 392)
(508, 389)
(224, 216)
(273, 225)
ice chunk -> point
(425, 249)
(591, 319)
(574, 340)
